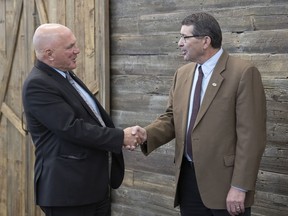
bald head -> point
(55, 45)
(47, 36)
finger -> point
(238, 210)
(229, 208)
(132, 148)
(127, 147)
(242, 207)
(134, 130)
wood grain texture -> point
(17, 58)
(144, 58)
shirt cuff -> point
(240, 189)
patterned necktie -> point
(195, 109)
(72, 82)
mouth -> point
(183, 52)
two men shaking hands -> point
(133, 136)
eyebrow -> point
(183, 34)
(71, 45)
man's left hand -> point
(235, 201)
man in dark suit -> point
(217, 113)
(72, 133)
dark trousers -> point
(96, 209)
(190, 201)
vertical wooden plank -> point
(16, 173)
(89, 28)
(30, 25)
(13, 16)
(16, 151)
(11, 46)
(70, 16)
(102, 50)
(2, 37)
(61, 12)
(2, 25)
(79, 32)
(3, 168)
(52, 10)
(41, 10)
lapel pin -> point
(214, 84)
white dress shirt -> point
(88, 98)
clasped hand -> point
(133, 136)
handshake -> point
(133, 136)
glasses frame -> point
(190, 36)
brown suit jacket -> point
(229, 134)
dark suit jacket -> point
(229, 135)
(71, 146)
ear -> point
(49, 54)
(207, 42)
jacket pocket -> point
(229, 160)
(80, 156)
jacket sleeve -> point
(162, 130)
(250, 129)
(50, 110)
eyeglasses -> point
(191, 36)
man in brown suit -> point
(228, 133)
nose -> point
(76, 50)
(180, 42)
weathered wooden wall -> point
(144, 57)
(89, 20)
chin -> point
(186, 58)
(73, 66)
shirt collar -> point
(210, 64)
(60, 72)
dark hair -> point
(206, 25)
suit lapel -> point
(183, 97)
(103, 113)
(213, 86)
(71, 90)
(76, 93)
(57, 77)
